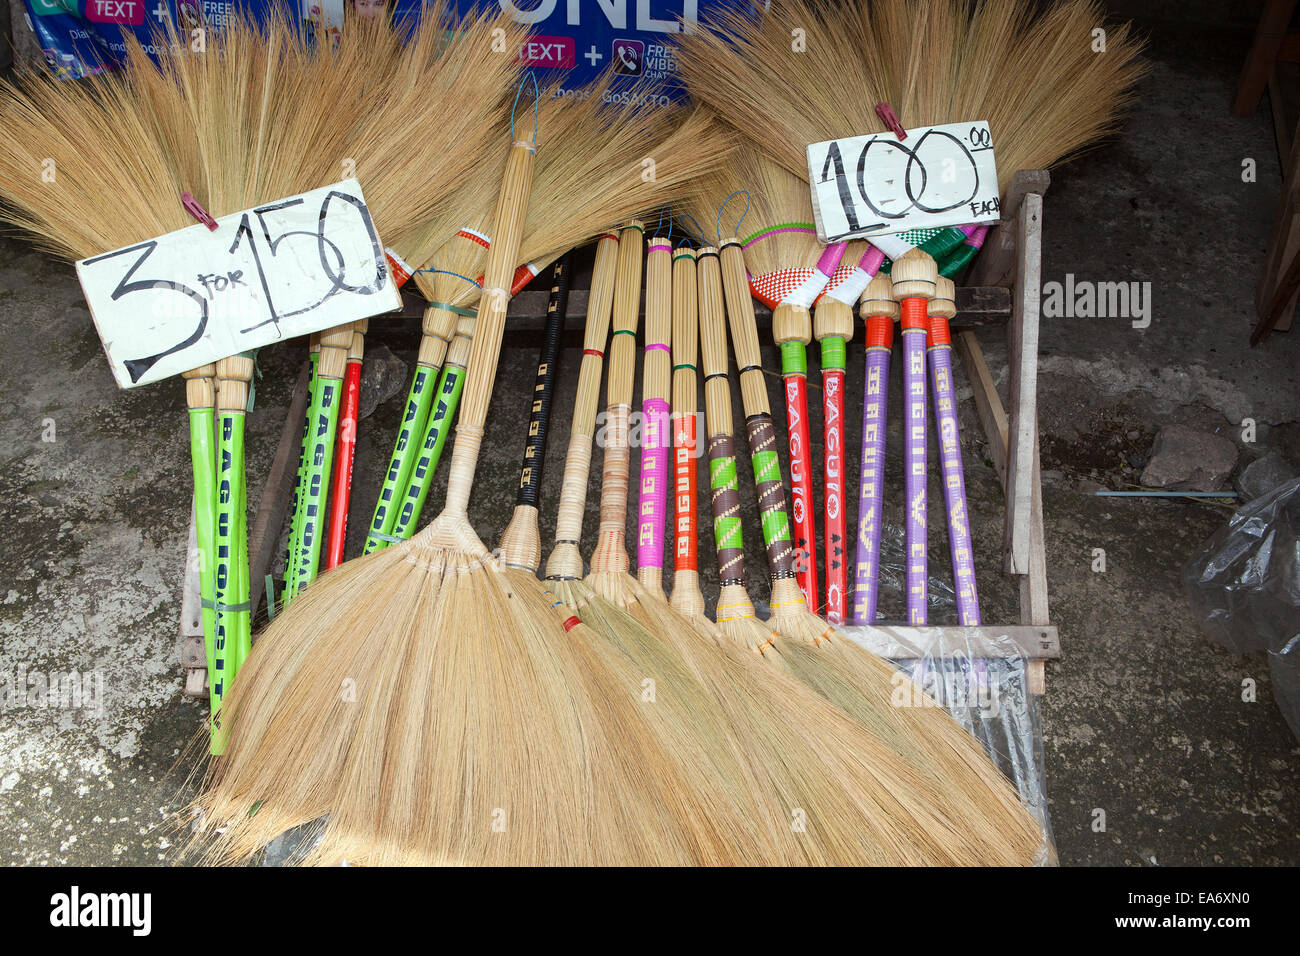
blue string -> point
(669, 210)
(447, 272)
(537, 102)
(742, 215)
(685, 242)
(699, 230)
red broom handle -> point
(344, 455)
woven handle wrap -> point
(837, 581)
(611, 548)
(397, 476)
(685, 553)
(656, 440)
(914, 458)
(530, 475)
(447, 398)
(954, 485)
(875, 400)
(727, 532)
(320, 459)
(508, 219)
(291, 546)
(773, 515)
(794, 368)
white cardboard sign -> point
(286, 268)
(874, 185)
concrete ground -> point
(1143, 718)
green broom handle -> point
(201, 397)
(295, 525)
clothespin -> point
(197, 211)
(888, 117)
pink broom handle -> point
(942, 308)
(656, 430)
(913, 277)
(879, 310)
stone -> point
(1189, 459)
(1263, 475)
(383, 375)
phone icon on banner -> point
(629, 57)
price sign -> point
(865, 186)
(283, 269)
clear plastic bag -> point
(1244, 586)
(984, 683)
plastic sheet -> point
(1244, 586)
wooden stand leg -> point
(1023, 356)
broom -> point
(521, 542)
(735, 612)
(345, 451)
(879, 310)
(295, 513)
(686, 595)
(656, 426)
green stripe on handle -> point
(295, 527)
(450, 384)
(320, 460)
(204, 461)
(415, 420)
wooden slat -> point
(277, 491)
(988, 404)
(903, 642)
(1023, 400)
(1033, 586)
(1270, 33)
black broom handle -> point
(530, 479)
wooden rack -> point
(1003, 288)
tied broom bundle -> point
(656, 426)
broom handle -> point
(686, 594)
(438, 326)
(539, 425)
(610, 554)
(445, 402)
(759, 428)
(954, 481)
(565, 560)
(728, 534)
(345, 452)
(879, 310)
(656, 433)
(833, 328)
(913, 276)
(230, 591)
(508, 219)
(295, 523)
(200, 396)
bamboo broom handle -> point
(511, 208)
(610, 554)
(913, 276)
(879, 310)
(565, 561)
(728, 533)
(521, 543)
(761, 432)
(656, 433)
(686, 597)
(939, 347)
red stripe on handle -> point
(915, 313)
(685, 453)
(837, 574)
(801, 490)
(344, 453)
